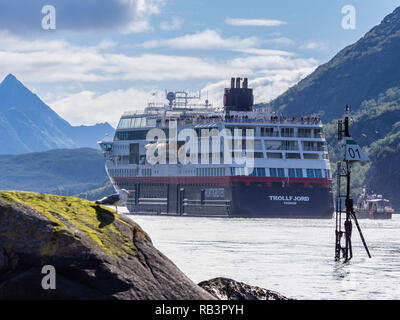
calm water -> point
(293, 257)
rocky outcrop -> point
(228, 289)
(96, 253)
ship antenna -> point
(352, 153)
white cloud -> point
(175, 24)
(315, 45)
(141, 10)
(254, 22)
(62, 64)
(260, 63)
(283, 41)
(266, 87)
(58, 61)
(207, 39)
(89, 107)
(265, 52)
(269, 76)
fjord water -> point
(293, 257)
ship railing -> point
(315, 149)
(274, 120)
(216, 120)
(270, 134)
(287, 135)
(304, 135)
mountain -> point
(61, 171)
(358, 73)
(27, 124)
(364, 76)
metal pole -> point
(347, 250)
(361, 234)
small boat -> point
(373, 206)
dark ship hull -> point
(225, 197)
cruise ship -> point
(187, 158)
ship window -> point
(292, 173)
(124, 123)
(257, 144)
(136, 122)
(143, 122)
(258, 155)
(269, 132)
(327, 173)
(273, 145)
(260, 172)
(289, 145)
(314, 146)
(299, 173)
(293, 156)
(276, 172)
(318, 133)
(287, 132)
(310, 173)
(315, 173)
(311, 156)
(146, 172)
(131, 135)
(134, 153)
(304, 133)
(274, 155)
(318, 173)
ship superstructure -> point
(184, 158)
(373, 206)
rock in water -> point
(228, 289)
(96, 254)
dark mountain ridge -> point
(27, 124)
(359, 72)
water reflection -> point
(293, 257)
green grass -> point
(77, 216)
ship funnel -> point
(237, 83)
(238, 98)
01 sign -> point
(353, 151)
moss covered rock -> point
(96, 253)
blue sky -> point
(108, 56)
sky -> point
(94, 59)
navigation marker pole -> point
(351, 153)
